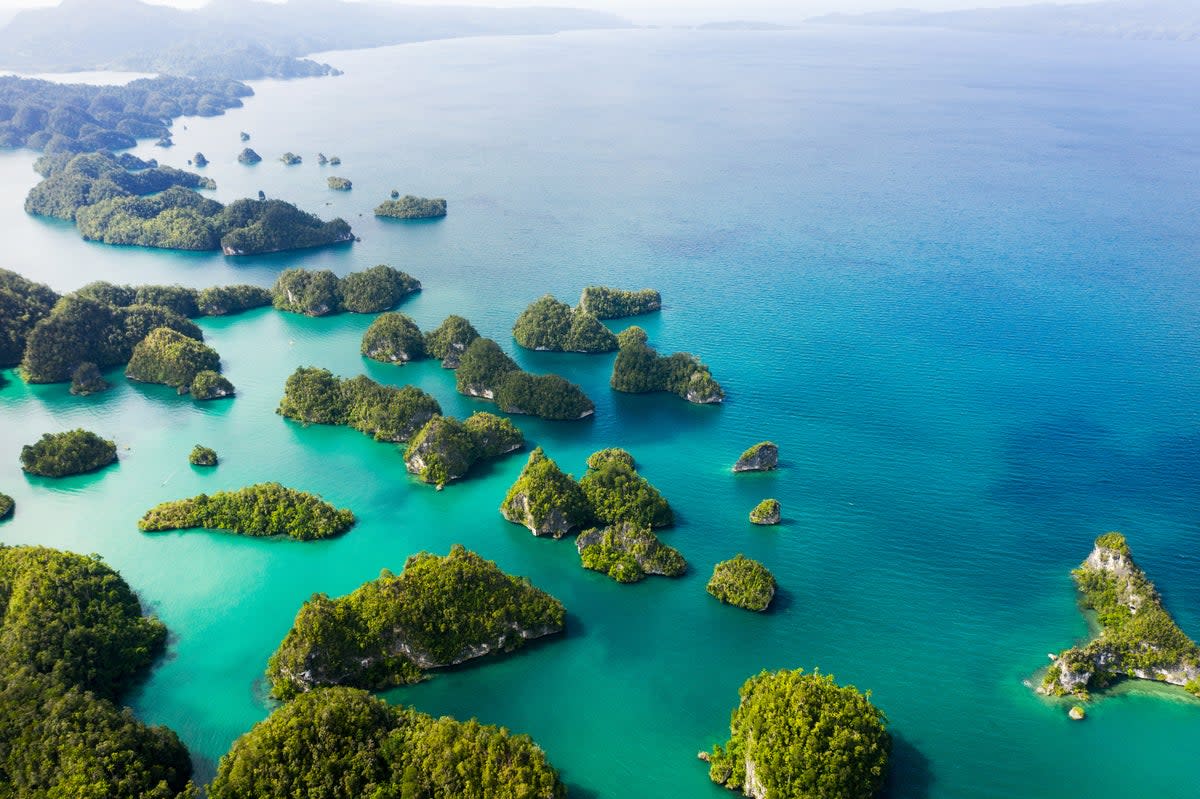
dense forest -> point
(639, 369)
(265, 509)
(320, 292)
(445, 448)
(548, 324)
(485, 371)
(386, 413)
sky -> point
(667, 11)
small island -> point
(393, 338)
(743, 582)
(321, 292)
(438, 612)
(290, 159)
(339, 184)
(1138, 638)
(450, 340)
(445, 449)
(172, 359)
(294, 749)
(411, 207)
(248, 156)
(761, 457)
(485, 371)
(386, 413)
(802, 735)
(87, 380)
(202, 456)
(617, 493)
(639, 369)
(6, 506)
(607, 303)
(544, 499)
(199, 160)
(244, 136)
(69, 453)
(262, 510)
(210, 385)
(628, 552)
(553, 326)
(766, 512)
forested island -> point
(628, 552)
(343, 742)
(393, 338)
(445, 449)
(339, 184)
(743, 582)
(173, 359)
(546, 500)
(6, 506)
(410, 207)
(553, 326)
(68, 453)
(73, 643)
(608, 303)
(795, 735)
(1138, 638)
(262, 510)
(766, 512)
(316, 396)
(439, 611)
(639, 369)
(485, 371)
(321, 292)
(87, 380)
(202, 456)
(73, 182)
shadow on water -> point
(910, 775)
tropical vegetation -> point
(339, 184)
(640, 369)
(393, 338)
(607, 303)
(445, 448)
(71, 452)
(321, 292)
(627, 552)
(742, 582)
(386, 413)
(617, 493)
(484, 370)
(209, 384)
(548, 324)
(450, 340)
(202, 456)
(87, 380)
(6, 506)
(545, 499)
(172, 359)
(766, 512)
(265, 509)
(412, 207)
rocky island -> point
(316, 396)
(766, 512)
(439, 611)
(393, 338)
(553, 326)
(742, 582)
(639, 369)
(248, 156)
(339, 184)
(321, 292)
(607, 303)
(797, 735)
(64, 454)
(450, 340)
(262, 510)
(1138, 638)
(202, 456)
(209, 384)
(445, 449)
(617, 493)
(290, 159)
(411, 207)
(6, 506)
(628, 552)
(761, 457)
(173, 359)
(485, 371)
(544, 499)
(398, 751)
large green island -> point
(438, 612)
(1138, 638)
(264, 510)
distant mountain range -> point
(1127, 19)
(248, 39)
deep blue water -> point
(953, 276)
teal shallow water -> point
(953, 277)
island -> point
(617, 493)
(290, 159)
(6, 506)
(386, 413)
(445, 449)
(607, 303)
(1138, 639)
(438, 612)
(321, 292)
(628, 552)
(248, 156)
(544, 499)
(393, 338)
(172, 359)
(799, 735)
(244, 136)
(226, 300)
(199, 160)
(398, 751)
(261, 510)
(485, 371)
(450, 340)
(639, 369)
(63, 454)
(742, 582)
(553, 326)
(202, 456)
(766, 512)
(762, 457)
(335, 161)
(339, 184)
(87, 380)
(410, 207)
(75, 645)
(23, 304)
(210, 385)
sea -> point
(954, 276)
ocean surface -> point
(954, 276)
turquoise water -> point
(952, 276)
